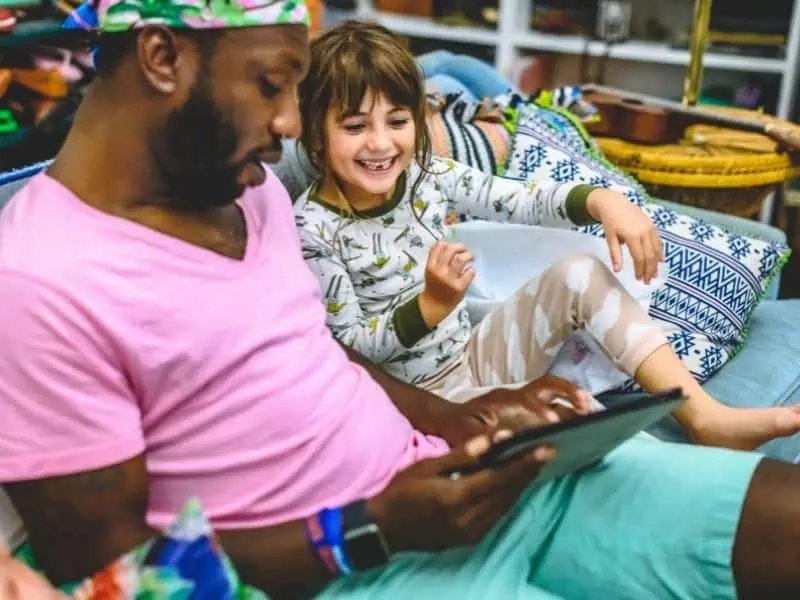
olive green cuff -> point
(409, 324)
(577, 204)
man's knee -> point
(766, 551)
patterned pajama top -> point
(371, 264)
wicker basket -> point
(719, 169)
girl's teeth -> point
(377, 165)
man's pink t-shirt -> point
(118, 340)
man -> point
(163, 339)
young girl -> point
(374, 231)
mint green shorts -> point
(653, 520)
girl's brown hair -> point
(348, 61)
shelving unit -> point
(513, 37)
(30, 33)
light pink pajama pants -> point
(517, 342)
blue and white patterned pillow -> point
(716, 278)
(547, 146)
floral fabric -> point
(185, 562)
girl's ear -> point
(316, 155)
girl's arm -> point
(474, 194)
(378, 338)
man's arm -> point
(499, 408)
(76, 424)
(78, 524)
(422, 408)
(81, 523)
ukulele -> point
(645, 119)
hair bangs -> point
(371, 74)
(349, 63)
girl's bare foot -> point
(745, 428)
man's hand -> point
(626, 223)
(424, 509)
(512, 409)
(447, 277)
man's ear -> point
(164, 58)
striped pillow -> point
(469, 132)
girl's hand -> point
(626, 223)
(447, 277)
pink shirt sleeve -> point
(65, 404)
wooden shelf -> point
(649, 52)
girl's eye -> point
(268, 90)
(353, 127)
(398, 123)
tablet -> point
(584, 440)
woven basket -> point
(719, 169)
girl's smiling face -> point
(366, 151)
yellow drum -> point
(719, 169)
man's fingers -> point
(459, 458)
(479, 519)
(556, 388)
(511, 477)
(501, 435)
(543, 411)
(518, 474)
(565, 412)
(584, 402)
(578, 399)
(493, 500)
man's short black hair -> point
(112, 48)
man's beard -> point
(193, 153)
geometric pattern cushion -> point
(547, 146)
(716, 278)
